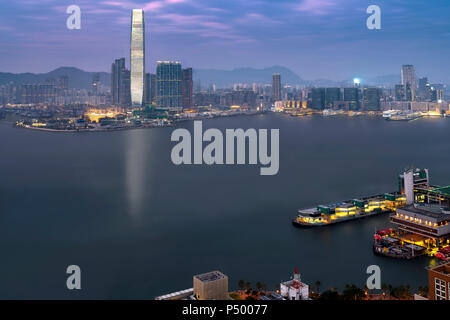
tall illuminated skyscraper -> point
(137, 57)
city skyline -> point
(174, 86)
(233, 36)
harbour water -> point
(139, 226)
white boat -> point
(389, 113)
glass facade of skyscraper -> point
(137, 57)
(409, 81)
(276, 87)
(116, 80)
(168, 84)
(187, 87)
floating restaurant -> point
(349, 210)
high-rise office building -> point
(423, 84)
(318, 98)
(168, 84)
(409, 93)
(125, 93)
(437, 92)
(276, 87)
(186, 87)
(152, 87)
(409, 79)
(332, 95)
(137, 57)
(400, 92)
(116, 79)
(371, 99)
(351, 95)
(423, 89)
(96, 84)
(147, 89)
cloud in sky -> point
(318, 7)
(315, 38)
(152, 6)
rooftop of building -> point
(210, 276)
(442, 190)
(169, 62)
(346, 205)
(296, 284)
(375, 199)
(429, 210)
(176, 295)
(416, 171)
(443, 269)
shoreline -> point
(111, 129)
(174, 122)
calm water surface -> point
(139, 226)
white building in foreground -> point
(294, 289)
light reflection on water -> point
(137, 167)
(140, 226)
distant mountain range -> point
(387, 80)
(221, 78)
(226, 78)
(78, 79)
